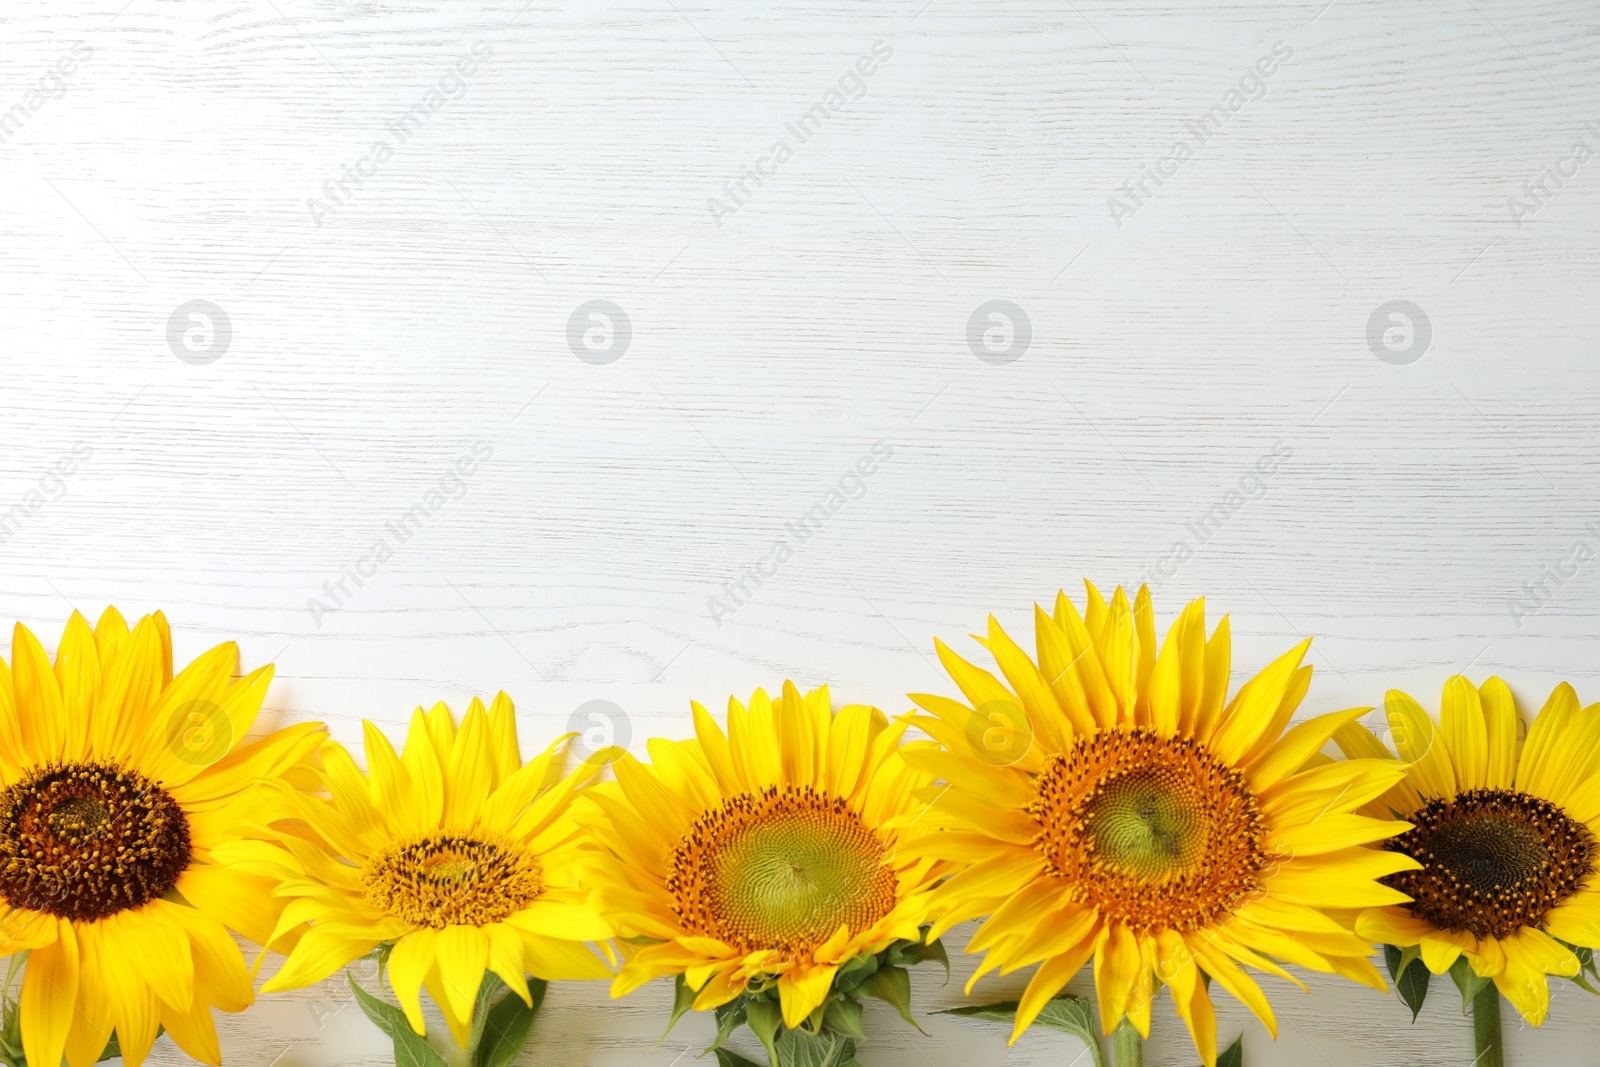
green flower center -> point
(1146, 824)
(780, 869)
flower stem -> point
(1486, 1027)
(1127, 1047)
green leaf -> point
(1234, 1056)
(797, 1048)
(843, 1016)
(1468, 982)
(113, 1049)
(506, 1025)
(410, 1050)
(487, 987)
(1065, 1012)
(1410, 976)
(733, 1059)
(892, 985)
(765, 1018)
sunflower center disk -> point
(86, 840)
(444, 879)
(1495, 861)
(1155, 832)
(782, 869)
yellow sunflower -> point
(455, 853)
(1506, 841)
(1113, 803)
(761, 857)
(118, 781)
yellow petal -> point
(1466, 736)
(463, 953)
(413, 957)
(49, 986)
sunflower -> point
(1506, 842)
(118, 781)
(761, 857)
(455, 854)
(1114, 804)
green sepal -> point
(764, 1016)
(913, 952)
(725, 1058)
(1234, 1056)
(842, 1015)
(410, 1050)
(892, 985)
(1586, 966)
(1410, 976)
(1065, 1012)
(113, 1049)
(505, 1027)
(682, 1000)
(730, 1016)
(1468, 982)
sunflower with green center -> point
(1111, 802)
(454, 856)
(119, 781)
(1507, 886)
(760, 867)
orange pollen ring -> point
(449, 879)
(1153, 831)
(780, 869)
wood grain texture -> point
(1225, 318)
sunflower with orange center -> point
(760, 866)
(118, 781)
(1508, 884)
(1110, 802)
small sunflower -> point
(118, 783)
(1111, 802)
(763, 857)
(1506, 842)
(455, 855)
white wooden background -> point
(374, 344)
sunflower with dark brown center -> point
(766, 855)
(1110, 803)
(1507, 842)
(117, 781)
(86, 840)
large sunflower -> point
(1113, 803)
(118, 781)
(1507, 842)
(761, 857)
(456, 853)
